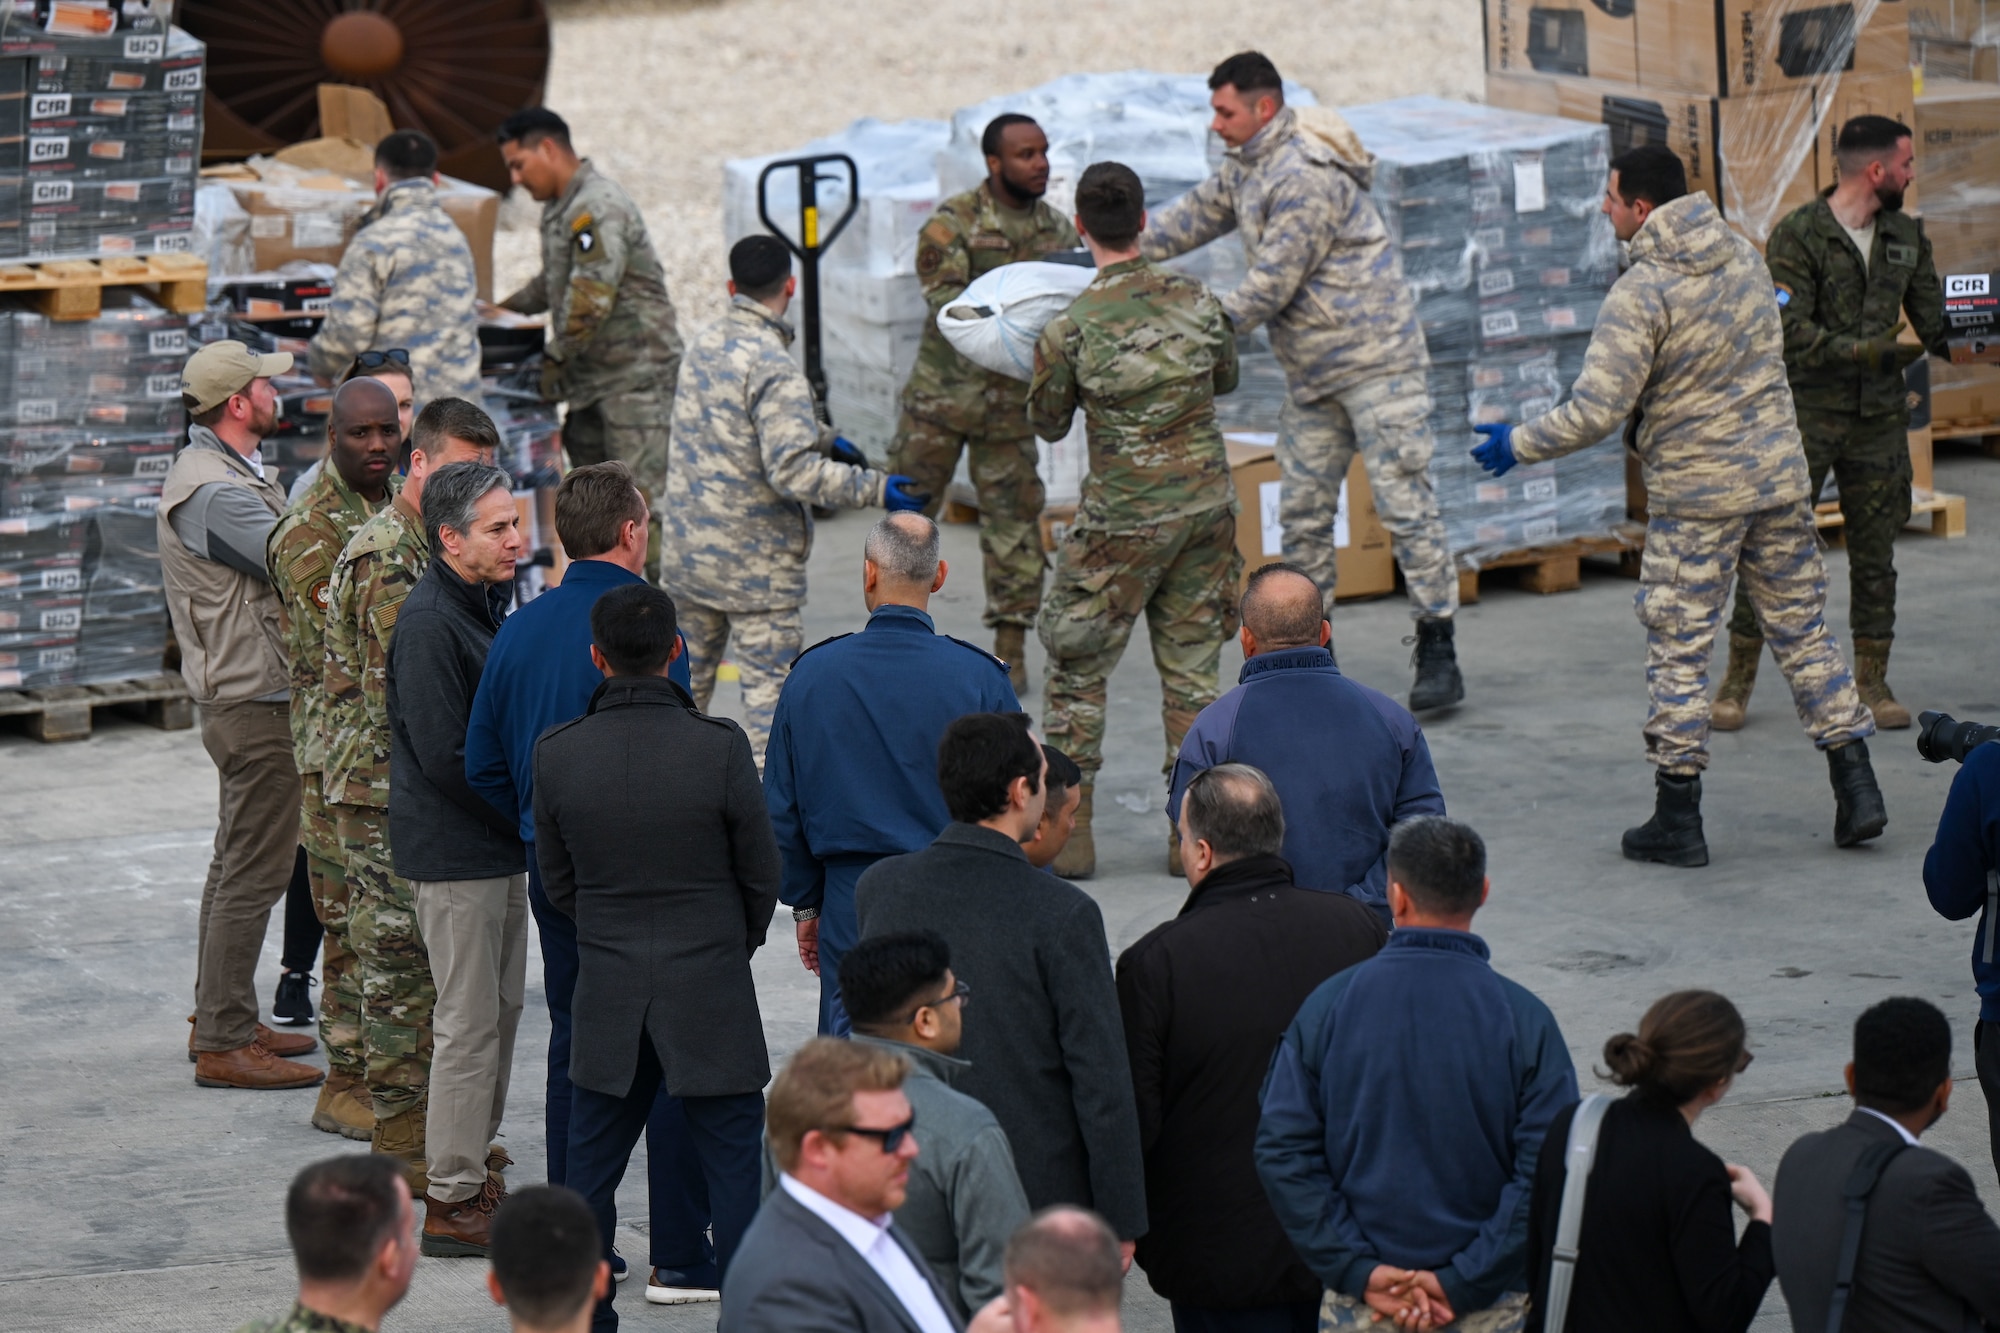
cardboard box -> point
(1579, 38)
(1958, 169)
(1920, 458)
(1741, 48)
(1894, 95)
(1964, 398)
(1950, 18)
(1364, 565)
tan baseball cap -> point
(218, 370)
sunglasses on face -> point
(960, 992)
(891, 1138)
(395, 356)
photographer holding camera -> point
(1962, 877)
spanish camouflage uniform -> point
(300, 554)
(1143, 352)
(614, 347)
(407, 281)
(1326, 278)
(374, 573)
(1855, 420)
(1690, 337)
(301, 1320)
(949, 403)
(746, 465)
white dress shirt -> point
(871, 1240)
(1908, 1137)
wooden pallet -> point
(74, 288)
(1557, 567)
(1944, 511)
(1982, 432)
(63, 712)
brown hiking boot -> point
(1010, 645)
(1174, 866)
(345, 1108)
(1871, 678)
(1078, 859)
(251, 1066)
(1733, 699)
(402, 1136)
(281, 1044)
(498, 1159)
(462, 1229)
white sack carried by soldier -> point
(997, 320)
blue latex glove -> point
(897, 497)
(843, 451)
(1496, 455)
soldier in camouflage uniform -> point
(363, 435)
(1842, 310)
(951, 404)
(1689, 338)
(1327, 280)
(406, 281)
(614, 348)
(353, 1231)
(746, 465)
(375, 571)
(1143, 352)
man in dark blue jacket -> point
(1962, 877)
(539, 675)
(851, 773)
(1348, 762)
(1406, 1105)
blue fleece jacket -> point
(1348, 762)
(1959, 867)
(539, 675)
(1403, 1114)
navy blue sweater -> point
(1956, 868)
(1403, 1114)
(1348, 762)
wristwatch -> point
(805, 913)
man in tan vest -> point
(217, 507)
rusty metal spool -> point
(452, 68)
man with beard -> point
(949, 403)
(1852, 270)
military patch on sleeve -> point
(583, 234)
(321, 595)
(1784, 296)
(929, 257)
(1899, 254)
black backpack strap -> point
(1861, 1183)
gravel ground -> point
(660, 92)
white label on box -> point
(1539, 530)
(69, 617)
(47, 149)
(1485, 198)
(1541, 488)
(182, 80)
(181, 122)
(145, 48)
(178, 242)
(1966, 284)
(1499, 324)
(318, 304)
(1496, 282)
(167, 342)
(154, 466)
(163, 386)
(181, 164)
(1489, 238)
(268, 226)
(61, 580)
(1531, 194)
(50, 659)
(48, 106)
(42, 229)
(145, 504)
(318, 231)
(1341, 529)
(1267, 517)
(51, 192)
(35, 410)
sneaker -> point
(659, 1294)
(620, 1270)
(294, 1006)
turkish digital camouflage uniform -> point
(1143, 352)
(300, 555)
(407, 280)
(301, 1320)
(746, 463)
(614, 346)
(374, 573)
(1855, 421)
(949, 403)
(1326, 278)
(1689, 338)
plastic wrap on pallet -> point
(125, 603)
(130, 30)
(1958, 186)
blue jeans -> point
(676, 1191)
(725, 1136)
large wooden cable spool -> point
(452, 68)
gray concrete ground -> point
(131, 1199)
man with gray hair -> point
(1205, 998)
(1064, 1275)
(461, 855)
(851, 774)
(1291, 709)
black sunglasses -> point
(891, 1139)
(395, 356)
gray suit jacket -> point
(1930, 1254)
(795, 1274)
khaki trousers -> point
(256, 843)
(477, 933)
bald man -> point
(1349, 762)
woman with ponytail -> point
(1658, 1252)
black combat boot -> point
(1858, 812)
(1438, 682)
(1673, 835)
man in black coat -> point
(1206, 997)
(1051, 1067)
(1930, 1254)
(651, 833)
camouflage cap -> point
(221, 369)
